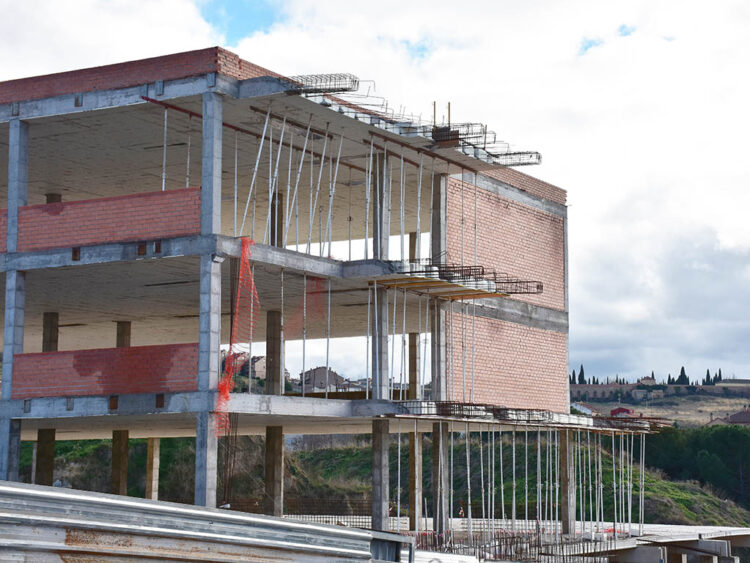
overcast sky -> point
(640, 110)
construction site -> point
(167, 219)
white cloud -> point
(647, 131)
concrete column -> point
(18, 177)
(45, 456)
(206, 445)
(211, 164)
(567, 483)
(415, 480)
(379, 321)
(209, 337)
(274, 354)
(119, 478)
(273, 502)
(50, 332)
(380, 477)
(277, 220)
(15, 297)
(152, 468)
(438, 248)
(440, 473)
(381, 216)
(123, 334)
(10, 448)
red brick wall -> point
(528, 184)
(511, 238)
(133, 73)
(109, 371)
(516, 366)
(131, 217)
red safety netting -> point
(246, 307)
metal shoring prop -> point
(398, 481)
(474, 301)
(622, 478)
(450, 517)
(418, 460)
(368, 184)
(439, 487)
(390, 199)
(403, 350)
(287, 216)
(164, 154)
(375, 340)
(451, 359)
(467, 441)
(255, 175)
(538, 475)
(481, 477)
(272, 183)
(368, 356)
(314, 202)
(614, 487)
(328, 335)
(252, 331)
(349, 215)
(418, 242)
(424, 348)
(392, 382)
(513, 459)
(502, 479)
(331, 195)
(642, 488)
(630, 487)
(295, 200)
(591, 481)
(579, 480)
(463, 348)
(283, 352)
(432, 210)
(310, 209)
(401, 205)
(463, 218)
(492, 481)
(526, 477)
(557, 485)
(548, 462)
(189, 143)
(234, 230)
(304, 327)
(601, 487)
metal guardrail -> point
(37, 521)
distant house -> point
(314, 380)
(740, 417)
(622, 412)
(258, 368)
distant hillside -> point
(343, 473)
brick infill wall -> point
(108, 371)
(131, 217)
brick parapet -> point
(109, 371)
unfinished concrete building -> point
(164, 216)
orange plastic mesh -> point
(243, 326)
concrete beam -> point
(206, 446)
(133, 95)
(119, 475)
(525, 314)
(10, 448)
(380, 476)
(45, 457)
(153, 447)
(507, 191)
(273, 501)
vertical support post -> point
(10, 448)
(381, 232)
(380, 474)
(567, 484)
(45, 456)
(153, 448)
(415, 438)
(206, 445)
(437, 312)
(381, 215)
(45, 442)
(274, 498)
(277, 220)
(440, 472)
(274, 354)
(18, 177)
(123, 334)
(119, 477)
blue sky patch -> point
(589, 43)
(418, 50)
(237, 19)
(625, 30)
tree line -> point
(681, 379)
